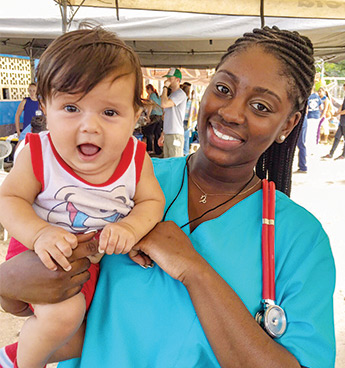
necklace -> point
(203, 197)
(211, 209)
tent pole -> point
(262, 13)
(63, 8)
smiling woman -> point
(196, 307)
(246, 108)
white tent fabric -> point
(162, 39)
(273, 8)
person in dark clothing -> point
(29, 105)
(339, 133)
(152, 131)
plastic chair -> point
(5, 151)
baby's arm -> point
(17, 193)
(148, 210)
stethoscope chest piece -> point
(272, 319)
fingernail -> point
(100, 250)
(150, 265)
(143, 266)
(68, 268)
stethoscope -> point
(271, 317)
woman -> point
(30, 106)
(186, 87)
(196, 306)
(326, 114)
(152, 131)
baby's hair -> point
(77, 61)
(296, 54)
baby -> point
(88, 173)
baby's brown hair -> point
(77, 61)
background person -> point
(38, 124)
(200, 311)
(302, 149)
(326, 114)
(187, 123)
(314, 114)
(174, 112)
(30, 106)
(153, 129)
(339, 133)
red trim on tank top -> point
(139, 160)
(121, 168)
(35, 144)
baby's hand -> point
(118, 238)
(53, 242)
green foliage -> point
(335, 70)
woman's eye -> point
(70, 108)
(260, 107)
(110, 113)
(222, 89)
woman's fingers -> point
(87, 246)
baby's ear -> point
(138, 113)
(43, 108)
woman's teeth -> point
(223, 136)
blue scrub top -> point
(144, 318)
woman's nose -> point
(233, 111)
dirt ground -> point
(321, 191)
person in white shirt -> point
(174, 111)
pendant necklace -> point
(203, 197)
(211, 209)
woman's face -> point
(321, 92)
(245, 108)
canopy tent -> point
(271, 8)
(168, 38)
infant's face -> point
(91, 132)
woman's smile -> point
(223, 137)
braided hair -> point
(296, 54)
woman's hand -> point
(171, 249)
(25, 278)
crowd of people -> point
(202, 226)
(316, 127)
(169, 121)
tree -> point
(335, 69)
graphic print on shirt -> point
(83, 209)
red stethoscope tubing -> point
(268, 217)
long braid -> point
(296, 54)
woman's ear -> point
(288, 127)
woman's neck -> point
(215, 178)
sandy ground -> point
(322, 192)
